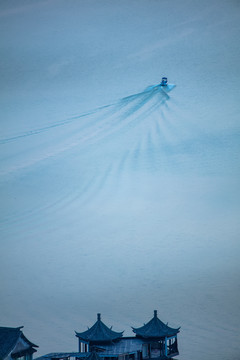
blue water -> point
(115, 199)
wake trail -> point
(113, 126)
(82, 156)
(120, 104)
(58, 124)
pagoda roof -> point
(99, 332)
(9, 338)
(155, 328)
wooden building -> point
(97, 337)
(154, 340)
(14, 345)
(159, 339)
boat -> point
(164, 82)
(163, 86)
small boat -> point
(163, 86)
(164, 81)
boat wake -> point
(131, 118)
(74, 160)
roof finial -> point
(99, 317)
(155, 313)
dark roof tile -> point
(9, 338)
(93, 356)
(155, 328)
(99, 332)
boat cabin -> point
(164, 81)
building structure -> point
(159, 339)
(154, 340)
(15, 345)
(98, 335)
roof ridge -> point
(155, 328)
(99, 332)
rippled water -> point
(124, 209)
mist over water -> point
(121, 206)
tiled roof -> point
(99, 332)
(155, 328)
(62, 355)
(9, 338)
(93, 356)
